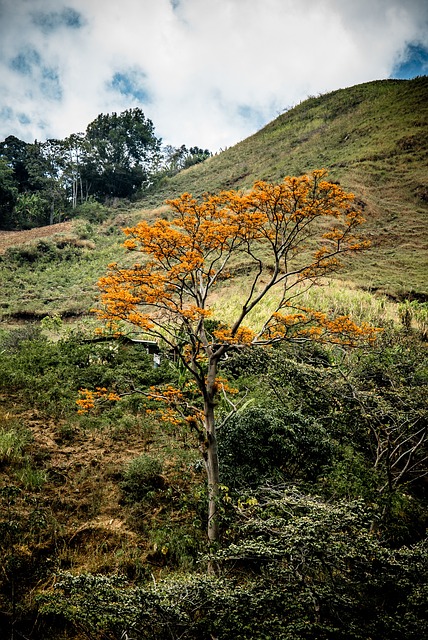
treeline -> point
(118, 156)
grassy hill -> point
(373, 138)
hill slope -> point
(373, 139)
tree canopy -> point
(279, 232)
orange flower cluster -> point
(318, 327)
(178, 404)
(243, 335)
(89, 399)
(222, 384)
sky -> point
(208, 73)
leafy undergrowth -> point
(65, 479)
(103, 514)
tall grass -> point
(13, 442)
(334, 297)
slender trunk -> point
(211, 458)
(74, 196)
(212, 466)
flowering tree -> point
(279, 231)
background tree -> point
(175, 159)
(8, 193)
(76, 149)
(52, 186)
(122, 151)
(30, 211)
(37, 171)
(169, 296)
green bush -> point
(175, 544)
(92, 211)
(48, 375)
(142, 476)
(260, 445)
(44, 252)
(299, 568)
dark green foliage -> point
(24, 523)
(248, 362)
(142, 476)
(123, 148)
(371, 403)
(389, 386)
(38, 192)
(8, 193)
(92, 210)
(325, 570)
(45, 252)
(48, 375)
(260, 445)
(299, 569)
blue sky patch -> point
(25, 61)
(52, 20)
(50, 84)
(6, 113)
(130, 85)
(28, 62)
(254, 116)
(23, 118)
(415, 63)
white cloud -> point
(207, 72)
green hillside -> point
(373, 138)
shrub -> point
(48, 375)
(92, 211)
(44, 252)
(142, 476)
(300, 569)
(261, 444)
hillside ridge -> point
(373, 139)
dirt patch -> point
(13, 238)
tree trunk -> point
(211, 452)
(212, 466)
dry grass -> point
(335, 297)
(18, 238)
